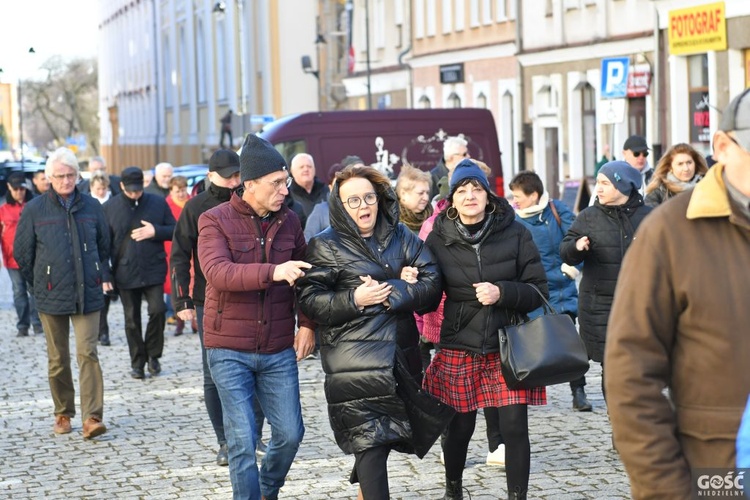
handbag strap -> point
(554, 213)
(548, 309)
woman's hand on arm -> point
(370, 292)
(487, 293)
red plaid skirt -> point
(468, 381)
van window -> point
(290, 148)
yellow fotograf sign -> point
(697, 29)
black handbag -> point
(543, 351)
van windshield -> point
(290, 148)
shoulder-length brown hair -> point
(665, 165)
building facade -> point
(171, 69)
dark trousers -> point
(141, 350)
(103, 323)
(579, 382)
(371, 472)
(221, 140)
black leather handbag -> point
(543, 351)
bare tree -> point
(62, 105)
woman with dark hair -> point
(679, 169)
(490, 268)
(369, 274)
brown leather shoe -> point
(62, 424)
(93, 427)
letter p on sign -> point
(615, 77)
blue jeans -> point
(23, 301)
(239, 376)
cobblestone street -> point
(160, 443)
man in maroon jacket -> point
(250, 249)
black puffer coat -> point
(358, 349)
(64, 253)
(610, 231)
(507, 257)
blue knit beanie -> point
(467, 169)
(622, 176)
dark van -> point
(387, 138)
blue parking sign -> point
(615, 77)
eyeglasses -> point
(465, 154)
(279, 184)
(639, 153)
(61, 177)
(356, 201)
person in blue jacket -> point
(549, 220)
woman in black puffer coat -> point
(599, 237)
(370, 274)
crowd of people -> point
(401, 293)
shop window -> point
(698, 99)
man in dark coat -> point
(98, 166)
(224, 177)
(455, 149)
(306, 189)
(62, 247)
(139, 224)
(163, 173)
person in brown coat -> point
(679, 321)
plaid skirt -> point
(468, 381)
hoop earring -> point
(451, 215)
(493, 209)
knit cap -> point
(622, 176)
(467, 169)
(259, 158)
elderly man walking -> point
(251, 252)
(62, 248)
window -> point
(424, 102)
(447, 15)
(549, 8)
(698, 103)
(379, 24)
(221, 63)
(482, 101)
(454, 101)
(184, 73)
(486, 12)
(398, 12)
(588, 118)
(200, 59)
(460, 13)
(473, 13)
(431, 17)
(419, 18)
(502, 14)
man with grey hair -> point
(98, 166)
(306, 189)
(455, 149)
(163, 173)
(62, 248)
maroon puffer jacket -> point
(245, 309)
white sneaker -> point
(497, 457)
(442, 458)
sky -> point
(67, 28)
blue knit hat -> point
(622, 176)
(467, 169)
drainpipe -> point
(656, 146)
(157, 87)
(521, 96)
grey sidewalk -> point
(160, 443)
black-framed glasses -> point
(281, 183)
(356, 201)
(639, 153)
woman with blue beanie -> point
(599, 238)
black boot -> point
(454, 490)
(517, 494)
(580, 402)
(104, 339)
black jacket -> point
(308, 201)
(138, 264)
(610, 231)
(507, 257)
(114, 185)
(185, 248)
(438, 172)
(64, 253)
(358, 349)
(154, 188)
